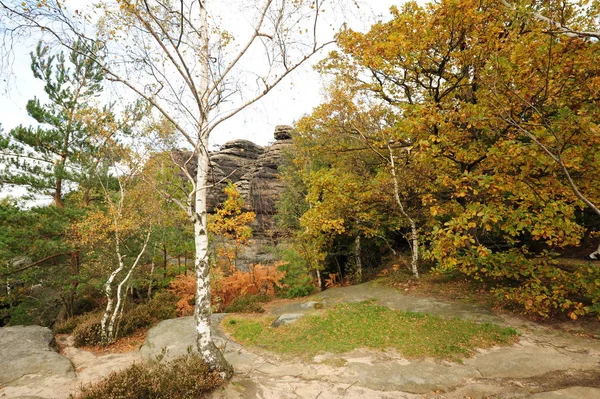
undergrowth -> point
(187, 377)
(237, 290)
(87, 331)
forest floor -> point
(546, 362)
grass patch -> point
(185, 377)
(368, 325)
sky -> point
(296, 96)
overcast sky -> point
(295, 96)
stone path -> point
(544, 364)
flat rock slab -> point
(28, 354)
(395, 299)
(569, 393)
(527, 359)
(542, 362)
(287, 318)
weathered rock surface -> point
(543, 364)
(28, 353)
(171, 338)
(30, 367)
(255, 171)
(287, 318)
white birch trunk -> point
(319, 282)
(110, 301)
(202, 311)
(414, 247)
(118, 308)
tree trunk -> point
(164, 262)
(202, 311)
(414, 247)
(357, 259)
(151, 280)
(109, 302)
(70, 300)
(319, 282)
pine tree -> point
(66, 145)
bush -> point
(83, 305)
(259, 280)
(88, 330)
(67, 326)
(135, 318)
(163, 306)
(184, 377)
(248, 304)
(297, 281)
(184, 289)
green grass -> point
(368, 325)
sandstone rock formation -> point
(28, 354)
(255, 170)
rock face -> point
(232, 163)
(255, 171)
(28, 354)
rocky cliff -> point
(255, 170)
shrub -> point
(163, 306)
(248, 304)
(259, 280)
(84, 305)
(537, 286)
(184, 288)
(297, 281)
(88, 330)
(184, 377)
(135, 318)
(66, 326)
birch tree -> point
(178, 57)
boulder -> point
(177, 337)
(29, 354)
(287, 318)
